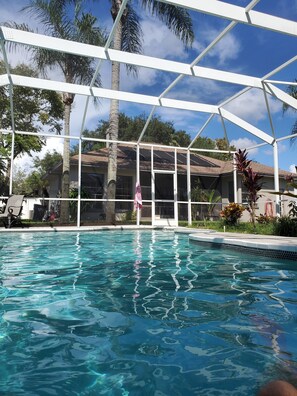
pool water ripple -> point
(141, 313)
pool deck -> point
(245, 240)
(269, 245)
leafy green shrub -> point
(293, 209)
(73, 193)
(285, 226)
(131, 215)
(232, 213)
(264, 219)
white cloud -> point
(155, 36)
(226, 49)
(94, 114)
(251, 106)
(243, 143)
(292, 168)
(145, 78)
(282, 148)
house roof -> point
(164, 160)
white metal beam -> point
(294, 83)
(4, 80)
(110, 94)
(146, 124)
(192, 106)
(219, 75)
(138, 60)
(138, 98)
(268, 111)
(201, 130)
(50, 85)
(247, 126)
(238, 14)
(283, 96)
(281, 67)
(51, 43)
(276, 178)
(199, 57)
(115, 24)
(252, 4)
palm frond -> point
(177, 19)
(294, 134)
(132, 34)
(292, 91)
(59, 20)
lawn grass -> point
(244, 228)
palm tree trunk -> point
(113, 131)
(64, 209)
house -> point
(164, 182)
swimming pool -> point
(141, 313)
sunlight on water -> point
(141, 313)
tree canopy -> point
(34, 110)
(158, 131)
(27, 184)
(68, 23)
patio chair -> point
(12, 212)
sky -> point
(245, 50)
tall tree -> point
(33, 110)
(58, 20)
(46, 164)
(128, 37)
(292, 90)
(36, 180)
(158, 131)
(217, 144)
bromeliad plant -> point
(251, 180)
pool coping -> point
(53, 228)
(268, 245)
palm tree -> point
(128, 37)
(58, 21)
(292, 91)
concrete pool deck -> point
(268, 245)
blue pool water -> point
(141, 313)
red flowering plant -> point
(251, 180)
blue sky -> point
(244, 50)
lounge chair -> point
(12, 212)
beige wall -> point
(262, 203)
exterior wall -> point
(223, 185)
(28, 207)
(54, 185)
(95, 210)
(264, 201)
